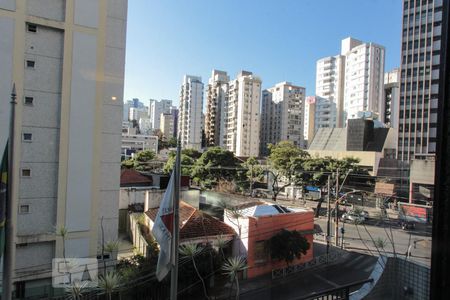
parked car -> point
(353, 216)
(408, 225)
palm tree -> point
(191, 250)
(109, 283)
(232, 267)
(221, 242)
(76, 290)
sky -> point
(277, 40)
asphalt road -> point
(353, 268)
(361, 238)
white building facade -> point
(242, 116)
(282, 115)
(319, 113)
(190, 112)
(364, 77)
(67, 63)
(352, 80)
(155, 109)
(216, 96)
(392, 98)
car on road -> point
(354, 216)
(408, 225)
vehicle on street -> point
(408, 225)
(354, 216)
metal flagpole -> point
(176, 228)
(10, 246)
(328, 219)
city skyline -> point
(270, 58)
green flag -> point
(3, 197)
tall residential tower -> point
(190, 112)
(67, 60)
(282, 115)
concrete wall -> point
(263, 228)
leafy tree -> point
(288, 245)
(172, 142)
(286, 162)
(320, 167)
(141, 161)
(188, 157)
(215, 164)
(254, 171)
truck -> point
(409, 213)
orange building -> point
(257, 224)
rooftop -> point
(129, 177)
(196, 224)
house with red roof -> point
(195, 225)
(133, 178)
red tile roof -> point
(129, 177)
(195, 223)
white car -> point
(354, 217)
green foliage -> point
(254, 172)
(188, 158)
(110, 283)
(288, 245)
(141, 161)
(287, 162)
(214, 165)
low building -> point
(132, 143)
(256, 224)
(367, 140)
(195, 226)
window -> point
(32, 28)
(27, 137)
(30, 64)
(261, 252)
(28, 100)
(26, 172)
(24, 209)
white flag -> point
(163, 230)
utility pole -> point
(336, 223)
(328, 219)
(10, 245)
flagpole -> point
(176, 228)
(10, 246)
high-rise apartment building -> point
(67, 60)
(364, 76)
(419, 84)
(155, 109)
(353, 80)
(319, 113)
(330, 75)
(166, 126)
(241, 113)
(217, 93)
(190, 112)
(391, 98)
(282, 115)
(137, 113)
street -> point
(361, 238)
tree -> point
(232, 267)
(188, 157)
(254, 171)
(288, 245)
(215, 164)
(109, 283)
(191, 250)
(286, 161)
(319, 168)
(141, 161)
